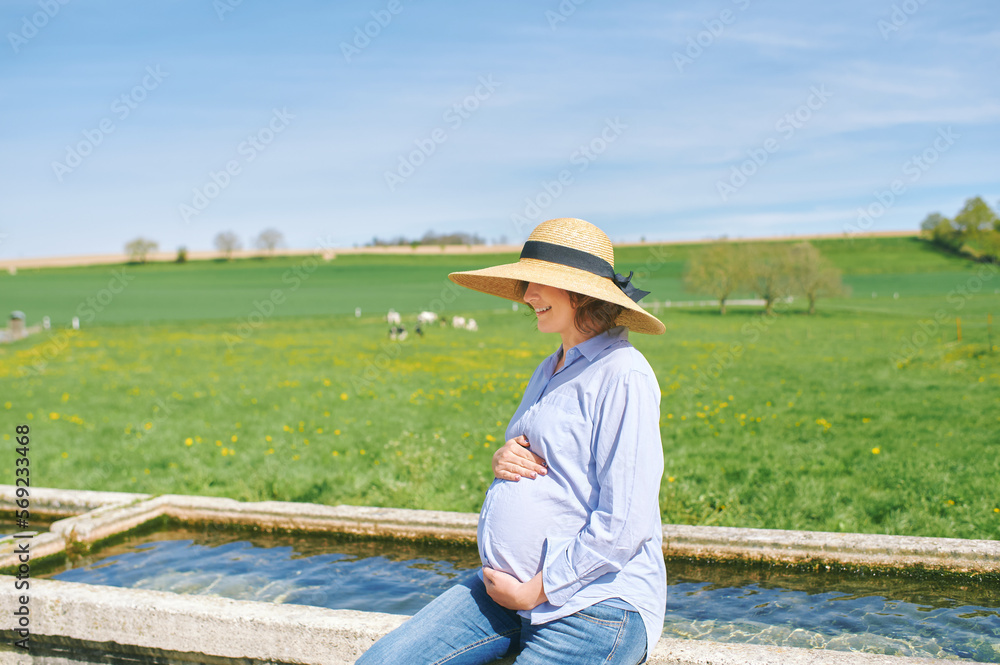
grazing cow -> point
(458, 322)
(393, 317)
(427, 317)
(397, 333)
(471, 325)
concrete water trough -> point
(69, 620)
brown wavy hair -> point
(593, 315)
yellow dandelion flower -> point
(670, 479)
(270, 451)
(65, 396)
(470, 457)
(486, 445)
(950, 502)
(7, 405)
(319, 430)
(189, 441)
(305, 441)
(326, 413)
(326, 382)
(148, 425)
(54, 416)
(336, 432)
(146, 471)
(343, 396)
(670, 416)
(466, 435)
(295, 458)
(335, 453)
(268, 438)
(65, 455)
(490, 438)
(287, 428)
(362, 451)
(218, 442)
(866, 420)
(197, 439)
(876, 451)
(225, 451)
(996, 510)
(233, 438)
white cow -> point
(458, 322)
(427, 317)
(471, 325)
(393, 317)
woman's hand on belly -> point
(513, 460)
(514, 595)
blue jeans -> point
(464, 626)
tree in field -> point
(813, 276)
(139, 248)
(269, 240)
(769, 272)
(718, 270)
(227, 242)
(975, 217)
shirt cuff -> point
(559, 581)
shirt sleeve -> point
(628, 456)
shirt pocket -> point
(560, 427)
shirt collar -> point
(592, 347)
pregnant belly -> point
(517, 517)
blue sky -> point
(636, 116)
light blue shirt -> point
(592, 523)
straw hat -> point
(569, 254)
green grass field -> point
(869, 416)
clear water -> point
(888, 615)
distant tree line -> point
(772, 271)
(430, 238)
(225, 242)
(973, 232)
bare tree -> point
(718, 270)
(769, 274)
(139, 248)
(269, 240)
(227, 242)
(813, 276)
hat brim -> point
(502, 281)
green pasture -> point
(869, 416)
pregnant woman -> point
(569, 534)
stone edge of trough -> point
(300, 634)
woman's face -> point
(557, 311)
